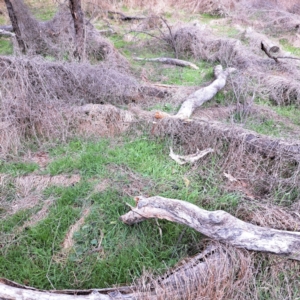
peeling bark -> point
(204, 94)
(218, 225)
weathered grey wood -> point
(11, 290)
(169, 61)
(7, 28)
(204, 94)
(218, 225)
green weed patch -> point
(6, 47)
(106, 251)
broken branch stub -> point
(218, 225)
(204, 94)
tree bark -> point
(204, 94)
(78, 18)
(218, 225)
(15, 24)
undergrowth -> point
(34, 256)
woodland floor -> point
(60, 202)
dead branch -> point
(218, 225)
(6, 33)
(192, 158)
(169, 61)
(124, 17)
(204, 94)
(7, 28)
(267, 51)
(272, 51)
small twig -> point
(288, 57)
(125, 17)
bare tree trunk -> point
(218, 225)
(15, 25)
(78, 18)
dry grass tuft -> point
(101, 120)
(68, 242)
(268, 215)
(37, 217)
(26, 185)
(28, 189)
(219, 272)
(37, 97)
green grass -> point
(287, 47)
(126, 251)
(17, 168)
(292, 112)
(6, 47)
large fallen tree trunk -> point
(204, 94)
(218, 225)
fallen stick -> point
(124, 17)
(183, 159)
(204, 94)
(218, 225)
(6, 33)
(169, 61)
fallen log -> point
(273, 52)
(204, 94)
(169, 61)
(218, 225)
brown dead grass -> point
(40, 215)
(268, 215)
(68, 242)
(29, 189)
(27, 185)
